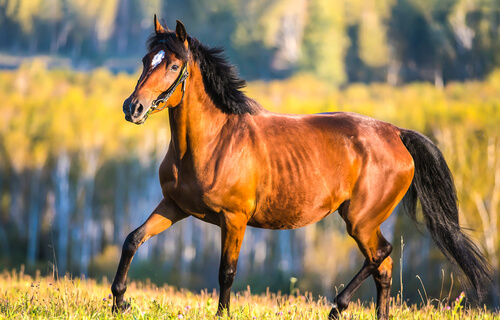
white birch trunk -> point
(63, 212)
(90, 158)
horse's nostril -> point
(140, 108)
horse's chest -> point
(192, 196)
(201, 196)
(186, 193)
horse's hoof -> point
(221, 313)
(124, 307)
(334, 314)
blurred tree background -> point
(75, 178)
(339, 41)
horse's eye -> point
(175, 67)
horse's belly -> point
(291, 217)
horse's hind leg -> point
(383, 281)
(377, 191)
(376, 250)
(363, 215)
(165, 215)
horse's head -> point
(164, 69)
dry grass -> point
(24, 297)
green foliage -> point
(324, 42)
(338, 41)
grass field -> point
(25, 297)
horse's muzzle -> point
(133, 110)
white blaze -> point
(157, 58)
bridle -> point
(165, 95)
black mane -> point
(220, 78)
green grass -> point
(24, 297)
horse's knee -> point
(133, 242)
(226, 276)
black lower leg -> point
(226, 278)
(119, 286)
(343, 298)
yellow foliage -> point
(372, 40)
(45, 113)
(48, 112)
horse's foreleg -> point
(232, 232)
(165, 215)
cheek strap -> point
(165, 95)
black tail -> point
(433, 186)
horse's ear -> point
(180, 32)
(158, 27)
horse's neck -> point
(196, 123)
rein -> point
(165, 95)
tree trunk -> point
(33, 217)
(63, 206)
(16, 205)
(188, 252)
(4, 243)
(87, 225)
(394, 66)
(123, 21)
(88, 185)
(119, 212)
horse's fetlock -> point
(342, 303)
(118, 289)
(226, 276)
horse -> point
(234, 164)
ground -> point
(26, 297)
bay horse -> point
(234, 164)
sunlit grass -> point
(25, 297)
